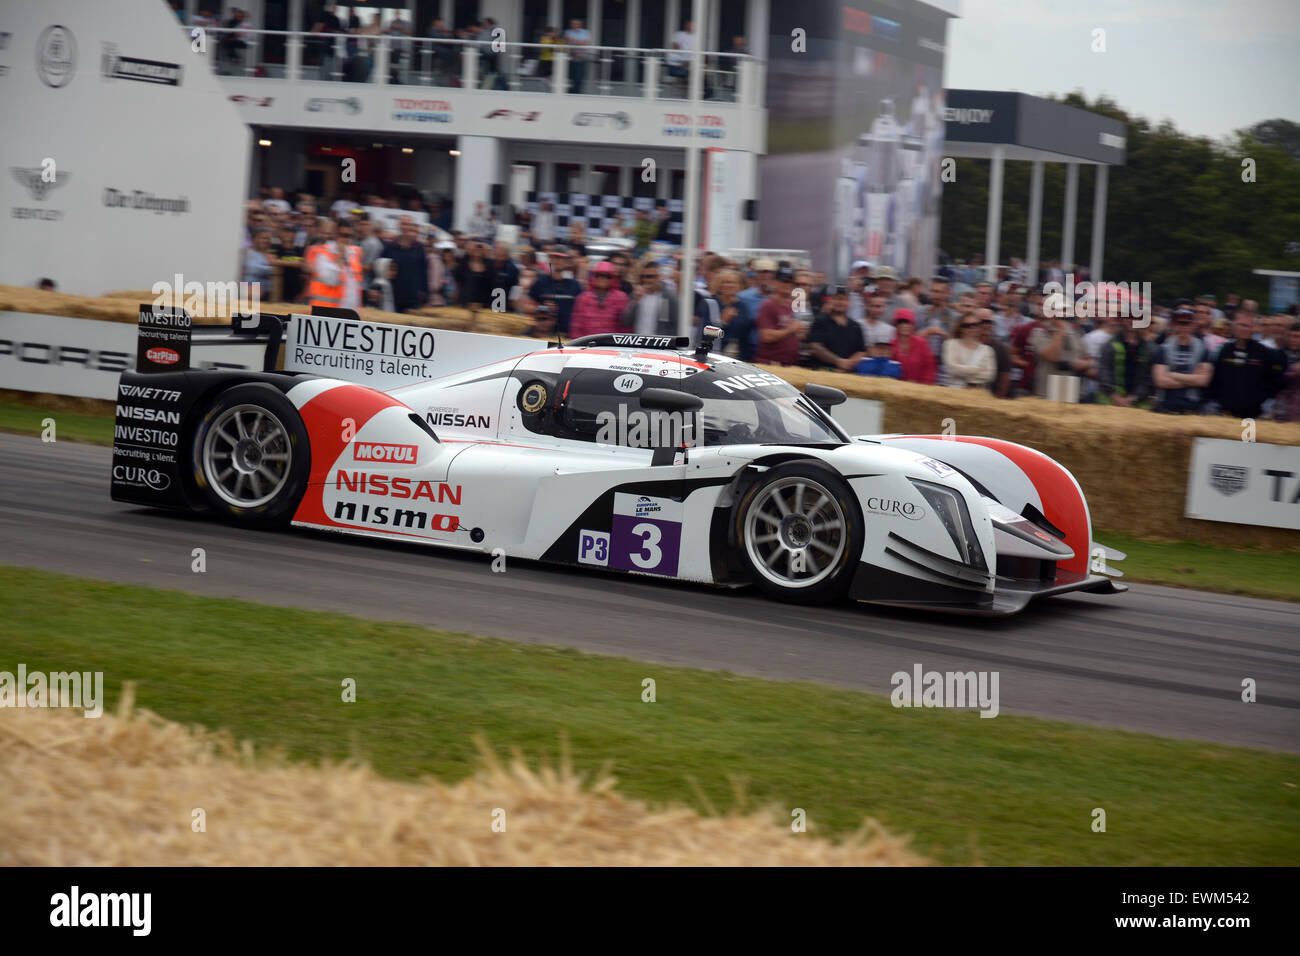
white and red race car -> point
(619, 453)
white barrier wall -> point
(123, 162)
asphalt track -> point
(1162, 660)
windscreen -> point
(743, 405)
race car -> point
(619, 453)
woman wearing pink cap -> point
(599, 309)
(911, 351)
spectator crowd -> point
(1191, 357)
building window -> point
(731, 24)
(536, 13)
(568, 178)
(466, 14)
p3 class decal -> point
(532, 397)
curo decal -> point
(893, 507)
(150, 478)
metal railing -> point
(398, 60)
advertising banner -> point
(83, 357)
(1244, 483)
(387, 356)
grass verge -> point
(1186, 564)
(1013, 790)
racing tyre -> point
(800, 531)
(251, 456)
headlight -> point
(952, 511)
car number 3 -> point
(649, 555)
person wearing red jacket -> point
(910, 351)
(599, 309)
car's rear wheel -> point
(800, 532)
(251, 456)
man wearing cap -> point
(1181, 366)
(780, 334)
(555, 292)
(835, 341)
(764, 270)
(599, 309)
(887, 286)
(649, 311)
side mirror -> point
(668, 441)
(671, 400)
(823, 396)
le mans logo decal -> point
(1228, 479)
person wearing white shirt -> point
(544, 225)
(683, 43)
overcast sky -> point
(1210, 66)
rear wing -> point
(165, 337)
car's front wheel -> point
(251, 456)
(800, 531)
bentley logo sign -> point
(31, 180)
(1228, 479)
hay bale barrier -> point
(121, 790)
(1131, 463)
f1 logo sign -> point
(593, 548)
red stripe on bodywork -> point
(324, 416)
(1063, 504)
(673, 358)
